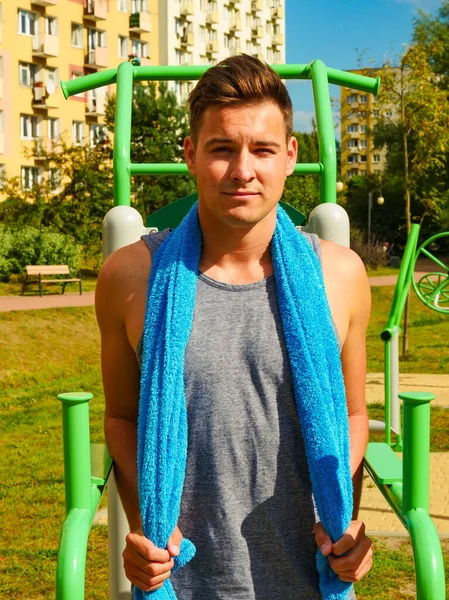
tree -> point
(414, 125)
(432, 33)
(158, 129)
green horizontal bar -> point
(191, 72)
(181, 169)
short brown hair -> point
(241, 79)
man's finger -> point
(146, 548)
(349, 539)
(323, 541)
(174, 543)
(144, 582)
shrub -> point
(373, 255)
(31, 246)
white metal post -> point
(395, 409)
(118, 528)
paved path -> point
(8, 303)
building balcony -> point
(277, 13)
(187, 39)
(140, 22)
(278, 39)
(212, 47)
(257, 31)
(41, 98)
(44, 2)
(354, 150)
(257, 5)
(187, 8)
(212, 17)
(234, 49)
(95, 105)
(96, 10)
(186, 59)
(235, 25)
(47, 45)
(96, 58)
(234, 1)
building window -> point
(54, 180)
(51, 26)
(30, 176)
(352, 158)
(26, 22)
(78, 132)
(376, 114)
(363, 98)
(52, 128)
(352, 129)
(377, 172)
(27, 74)
(77, 35)
(362, 128)
(202, 34)
(96, 38)
(352, 144)
(351, 98)
(97, 134)
(352, 172)
(139, 6)
(388, 113)
(52, 75)
(123, 46)
(363, 158)
(122, 5)
(363, 144)
(376, 158)
(30, 127)
(2, 176)
(141, 49)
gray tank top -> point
(247, 499)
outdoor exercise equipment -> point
(123, 225)
(433, 288)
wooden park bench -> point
(34, 275)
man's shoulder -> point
(342, 261)
(123, 276)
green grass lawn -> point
(46, 352)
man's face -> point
(240, 161)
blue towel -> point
(317, 377)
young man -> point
(247, 500)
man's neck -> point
(237, 255)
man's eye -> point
(221, 149)
(264, 151)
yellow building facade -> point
(358, 114)
(45, 41)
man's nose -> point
(242, 169)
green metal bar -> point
(326, 134)
(75, 422)
(430, 580)
(181, 169)
(70, 572)
(434, 258)
(429, 565)
(122, 135)
(416, 450)
(405, 275)
(88, 82)
(191, 73)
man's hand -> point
(354, 543)
(146, 565)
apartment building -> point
(45, 41)
(359, 112)
(203, 32)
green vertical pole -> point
(326, 135)
(387, 391)
(416, 455)
(122, 135)
(429, 566)
(77, 471)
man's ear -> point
(189, 154)
(292, 154)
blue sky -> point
(336, 31)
